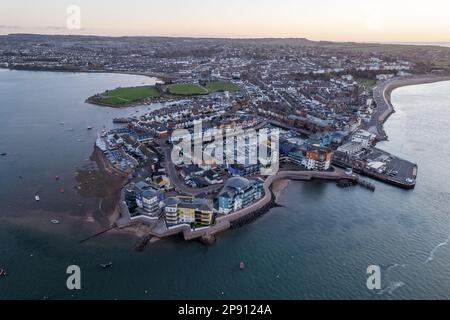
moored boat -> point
(242, 265)
(37, 197)
(106, 265)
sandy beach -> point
(382, 95)
(390, 86)
(105, 184)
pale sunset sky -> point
(335, 20)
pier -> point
(98, 234)
(397, 172)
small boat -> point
(54, 221)
(62, 123)
(37, 198)
(106, 265)
(3, 273)
(57, 178)
(90, 128)
(4, 154)
(242, 265)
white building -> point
(350, 148)
(364, 137)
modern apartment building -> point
(239, 193)
(191, 211)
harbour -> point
(382, 166)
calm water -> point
(318, 246)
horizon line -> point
(400, 42)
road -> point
(176, 179)
(383, 111)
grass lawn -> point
(121, 96)
(221, 86)
(187, 89)
(368, 83)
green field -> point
(187, 89)
(368, 83)
(221, 86)
(124, 96)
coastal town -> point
(318, 109)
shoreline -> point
(382, 94)
(157, 76)
(225, 222)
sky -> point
(334, 20)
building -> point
(191, 171)
(212, 177)
(312, 158)
(244, 171)
(192, 211)
(239, 193)
(364, 137)
(147, 199)
(322, 139)
(318, 159)
(350, 148)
